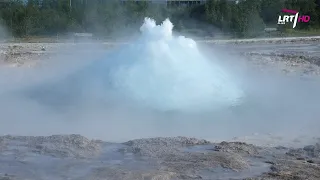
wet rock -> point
(281, 148)
(157, 147)
(56, 145)
(171, 156)
(151, 159)
(286, 169)
(310, 161)
(237, 147)
(176, 141)
(114, 173)
(198, 161)
(301, 158)
(269, 162)
(294, 164)
(189, 176)
(298, 153)
(313, 150)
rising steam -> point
(169, 73)
(148, 88)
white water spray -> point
(86, 91)
(169, 73)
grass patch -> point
(294, 32)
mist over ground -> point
(158, 85)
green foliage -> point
(248, 18)
(242, 19)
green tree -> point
(270, 10)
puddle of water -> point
(36, 166)
(112, 156)
(199, 148)
(219, 173)
(256, 166)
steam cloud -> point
(169, 73)
(158, 85)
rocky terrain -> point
(76, 157)
(175, 158)
(287, 54)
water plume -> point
(157, 85)
(168, 73)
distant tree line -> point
(247, 18)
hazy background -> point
(64, 97)
(210, 18)
(66, 101)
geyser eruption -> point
(108, 95)
(165, 72)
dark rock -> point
(274, 168)
(310, 161)
(269, 162)
(156, 147)
(313, 150)
(185, 176)
(237, 147)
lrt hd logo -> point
(292, 18)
